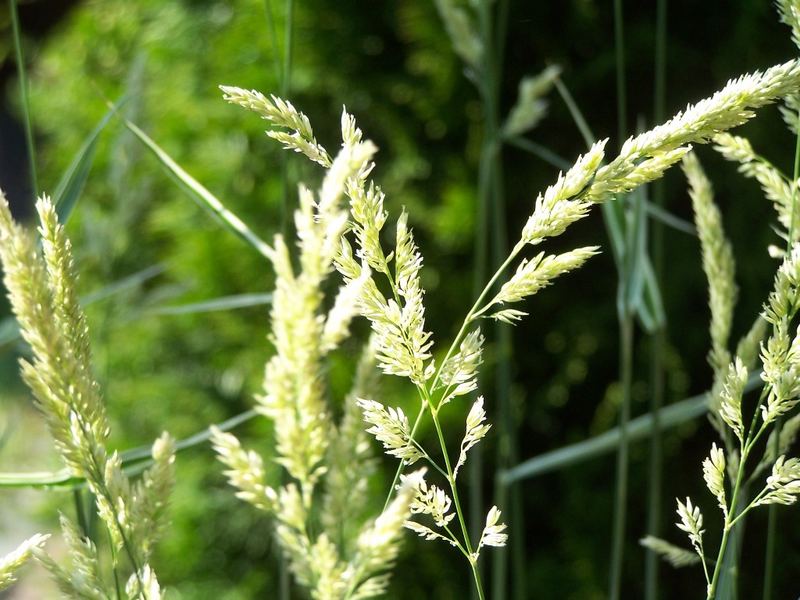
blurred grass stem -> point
(23, 92)
(659, 337)
(626, 326)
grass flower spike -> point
(42, 294)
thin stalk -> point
(457, 504)
(622, 102)
(114, 570)
(23, 93)
(492, 28)
(626, 350)
(656, 461)
(658, 339)
(475, 464)
(400, 466)
(575, 112)
(712, 588)
(477, 308)
(80, 514)
(273, 36)
(286, 74)
(541, 152)
(620, 503)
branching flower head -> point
(390, 427)
(493, 533)
(714, 475)
(459, 373)
(783, 485)
(691, 521)
(12, 562)
(476, 430)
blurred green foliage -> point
(392, 66)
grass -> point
(627, 219)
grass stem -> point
(620, 502)
(626, 341)
(659, 337)
(23, 92)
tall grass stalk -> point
(626, 326)
(492, 24)
(659, 337)
(23, 92)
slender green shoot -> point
(658, 337)
(23, 92)
(626, 340)
(200, 193)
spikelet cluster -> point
(646, 156)
(401, 346)
(674, 555)
(41, 288)
(776, 186)
(12, 562)
(462, 31)
(280, 113)
(531, 106)
(533, 275)
(717, 261)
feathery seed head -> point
(729, 405)
(530, 107)
(475, 431)
(390, 427)
(13, 561)
(534, 274)
(674, 555)
(691, 521)
(493, 532)
(783, 485)
(459, 373)
(714, 475)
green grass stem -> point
(23, 92)
(658, 339)
(626, 341)
(621, 487)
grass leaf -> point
(200, 194)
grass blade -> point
(651, 310)
(605, 443)
(134, 460)
(71, 185)
(630, 288)
(217, 304)
(665, 217)
(200, 194)
(9, 330)
(23, 92)
(542, 152)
